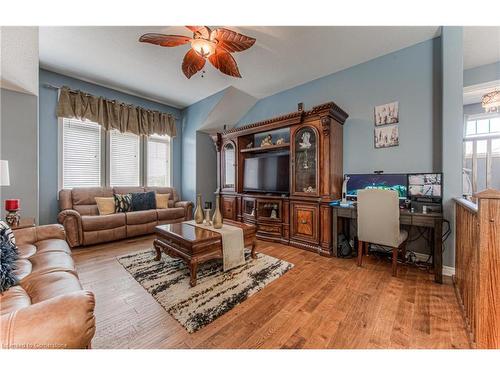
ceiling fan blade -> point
(192, 63)
(164, 40)
(203, 31)
(231, 41)
(223, 61)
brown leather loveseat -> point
(48, 308)
(84, 226)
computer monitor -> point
(394, 181)
(425, 185)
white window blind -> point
(81, 156)
(158, 161)
(124, 159)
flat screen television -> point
(397, 182)
(267, 173)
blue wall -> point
(410, 76)
(193, 174)
(481, 74)
(48, 135)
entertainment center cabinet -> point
(302, 215)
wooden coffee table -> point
(196, 245)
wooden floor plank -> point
(320, 303)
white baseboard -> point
(447, 271)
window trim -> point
(106, 157)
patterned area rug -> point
(216, 291)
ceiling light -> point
(491, 101)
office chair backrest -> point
(378, 217)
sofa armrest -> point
(188, 208)
(40, 233)
(66, 321)
(72, 221)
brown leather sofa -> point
(48, 308)
(84, 226)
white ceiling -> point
(19, 58)
(282, 57)
(481, 45)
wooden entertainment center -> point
(302, 217)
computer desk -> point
(434, 221)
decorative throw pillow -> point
(143, 201)
(105, 205)
(123, 202)
(8, 257)
(7, 233)
(162, 200)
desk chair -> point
(378, 223)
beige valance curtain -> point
(114, 115)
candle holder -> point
(207, 221)
(12, 206)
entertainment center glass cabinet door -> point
(228, 164)
(305, 161)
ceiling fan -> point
(214, 45)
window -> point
(81, 154)
(481, 153)
(91, 156)
(158, 161)
(124, 157)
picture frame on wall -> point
(386, 136)
(387, 114)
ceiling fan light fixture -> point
(203, 47)
(491, 101)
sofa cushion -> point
(14, 299)
(51, 261)
(170, 213)
(165, 190)
(95, 223)
(123, 202)
(41, 287)
(53, 244)
(7, 234)
(26, 250)
(86, 196)
(105, 205)
(23, 268)
(162, 200)
(86, 209)
(141, 217)
(8, 259)
(143, 201)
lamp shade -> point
(4, 173)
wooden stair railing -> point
(477, 266)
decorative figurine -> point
(274, 213)
(305, 144)
(267, 141)
(250, 145)
(309, 189)
(280, 141)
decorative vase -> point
(198, 212)
(217, 218)
(207, 222)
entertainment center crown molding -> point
(302, 217)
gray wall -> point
(197, 170)
(481, 74)
(410, 76)
(48, 135)
(452, 68)
(18, 135)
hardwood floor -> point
(320, 303)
